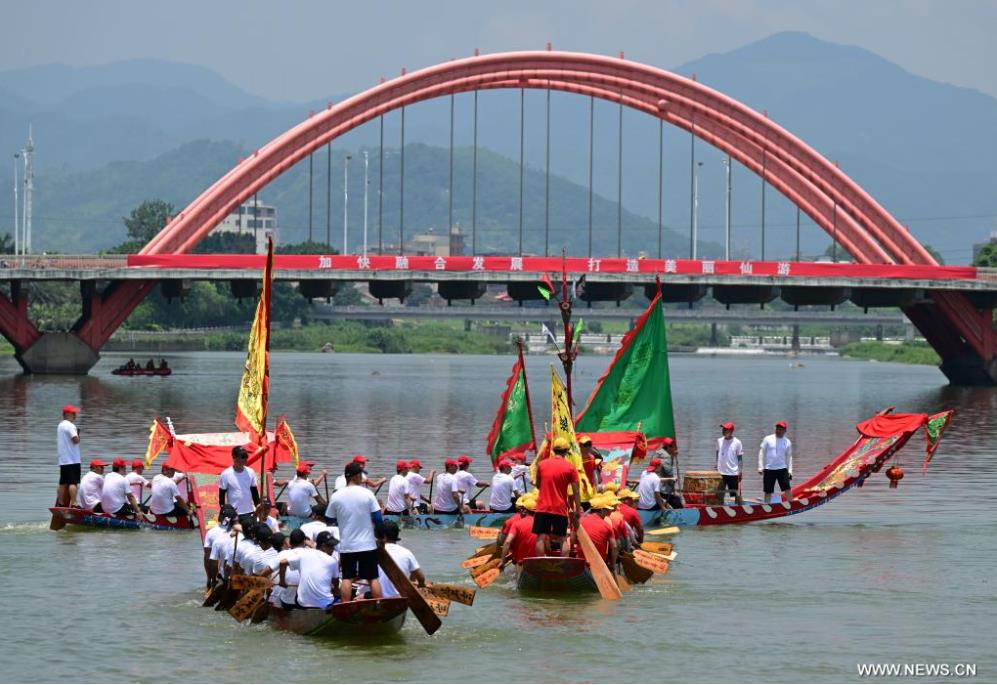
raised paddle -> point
(597, 565)
(457, 593)
(670, 530)
(657, 547)
(652, 562)
(490, 548)
(484, 568)
(475, 562)
(483, 533)
(417, 603)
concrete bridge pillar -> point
(796, 337)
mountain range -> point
(109, 136)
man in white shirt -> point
(116, 497)
(318, 523)
(447, 499)
(300, 493)
(730, 455)
(67, 443)
(280, 596)
(165, 499)
(649, 488)
(403, 558)
(465, 482)
(505, 489)
(397, 503)
(137, 483)
(520, 471)
(319, 571)
(358, 514)
(775, 462)
(372, 484)
(91, 486)
(237, 484)
(226, 515)
(415, 480)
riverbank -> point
(904, 353)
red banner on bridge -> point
(575, 265)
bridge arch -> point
(833, 200)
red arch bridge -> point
(951, 306)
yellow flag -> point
(562, 426)
(159, 439)
(251, 407)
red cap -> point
(119, 462)
(451, 462)
(728, 426)
(359, 458)
(309, 464)
(653, 464)
(401, 464)
(415, 464)
(138, 464)
(168, 465)
(667, 442)
(304, 468)
(505, 462)
(464, 460)
(781, 424)
(70, 409)
(97, 462)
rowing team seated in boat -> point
(316, 565)
(121, 494)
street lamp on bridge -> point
(695, 210)
(346, 201)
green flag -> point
(636, 387)
(512, 431)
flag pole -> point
(262, 437)
(567, 357)
(526, 391)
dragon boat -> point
(122, 371)
(76, 516)
(555, 575)
(360, 618)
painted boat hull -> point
(486, 519)
(555, 575)
(84, 517)
(360, 618)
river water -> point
(879, 575)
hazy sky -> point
(298, 50)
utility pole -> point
(29, 187)
(366, 184)
(727, 224)
(17, 226)
(346, 201)
(695, 210)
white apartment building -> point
(258, 220)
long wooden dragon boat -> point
(360, 618)
(76, 516)
(555, 575)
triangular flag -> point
(546, 287)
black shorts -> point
(69, 474)
(550, 524)
(361, 565)
(771, 476)
(125, 510)
(510, 510)
(730, 482)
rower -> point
(91, 486)
(504, 489)
(319, 570)
(130, 364)
(397, 503)
(280, 596)
(67, 444)
(116, 497)
(415, 481)
(226, 515)
(649, 488)
(300, 493)
(403, 558)
(465, 482)
(372, 484)
(358, 514)
(447, 500)
(730, 457)
(163, 365)
(318, 523)
(520, 540)
(150, 365)
(591, 461)
(599, 529)
(237, 484)
(270, 543)
(669, 454)
(242, 559)
(558, 482)
(165, 499)
(520, 471)
(775, 462)
(136, 481)
(628, 501)
(224, 547)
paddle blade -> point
(634, 572)
(657, 547)
(417, 603)
(485, 568)
(670, 530)
(58, 521)
(474, 562)
(487, 578)
(261, 613)
(212, 595)
(597, 565)
(250, 582)
(247, 605)
(483, 532)
(439, 605)
(622, 582)
(452, 591)
(490, 548)
(651, 562)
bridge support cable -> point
(401, 190)
(764, 165)
(380, 190)
(522, 166)
(474, 180)
(619, 185)
(328, 195)
(311, 188)
(450, 186)
(661, 181)
(591, 165)
(547, 181)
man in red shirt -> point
(521, 541)
(597, 525)
(557, 481)
(628, 498)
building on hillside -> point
(258, 220)
(977, 247)
(430, 244)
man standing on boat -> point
(558, 483)
(116, 496)
(237, 484)
(730, 457)
(91, 486)
(67, 443)
(415, 480)
(775, 462)
(359, 517)
(447, 499)
(137, 482)
(465, 482)
(504, 489)
(397, 502)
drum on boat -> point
(703, 487)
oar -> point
(475, 562)
(633, 571)
(652, 562)
(483, 532)
(58, 521)
(670, 530)
(417, 603)
(484, 568)
(622, 581)
(597, 565)
(490, 548)
(439, 605)
(248, 604)
(452, 591)
(667, 557)
(487, 578)
(477, 493)
(657, 547)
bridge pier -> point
(962, 334)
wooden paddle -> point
(417, 603)
(250, 582)
(440, 605)
(484, 568)
(490, 548)
(58, 521)
(213, 594)
(670, 530)
(487, 578)
(666, 557)
(633, 571)
(483, 533)
(475, 562)
(652, 562)
(600, 572)
(622, 582)
(452, 591)
(657, 547)
(248, 604)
